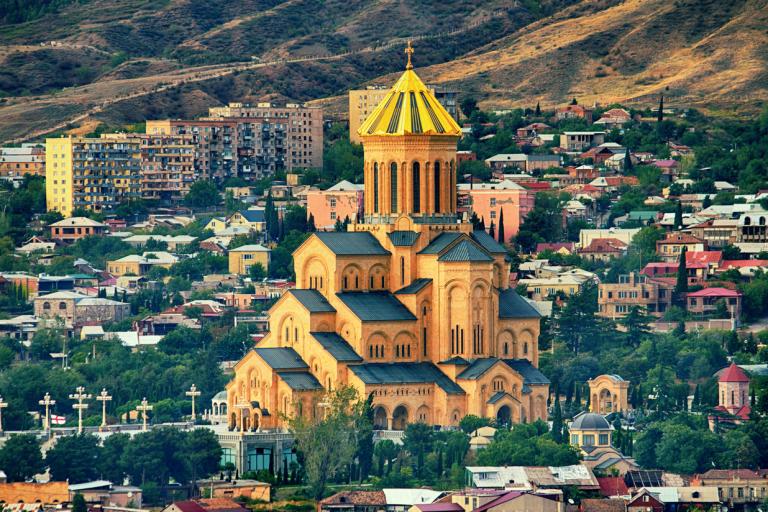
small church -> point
(410, 306)
(733, 397)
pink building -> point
(342, 200)
(488, 200)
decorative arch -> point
(458, 309)
(455, 417)
(506, 344)
(404, 345)
(286, 331)
(352, 277)
(423, 415)
(380, 418)
(400, 417)
(315, 274)
(378, 346)
(377, 277)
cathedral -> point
(411, 305)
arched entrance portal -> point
(399, 418)
(380, 418)
(503, 416)
(606, 402)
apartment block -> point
(251, 141)
(168, 166)
(362, 103)
(615, 300)
(91, 173)
(577, 142)
(27, 159)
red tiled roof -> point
(680, 238)
(356, 498)
(554, 246)
(498, 501)
(726, 264)
(715, 291)
(665, 164)
(721, 474)
(733, 374)
(219, 504)
(703, 257)
(605, 245)
(538, 185)
(612, 486)
(602, 505)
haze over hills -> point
(125, 61)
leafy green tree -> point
(637, 324)
(470, 423)
(468, 106)
(418, 441)
(364, 429)
(110, 464)
(78, 503)
(202, 453)
(385, 452)
(528, 444)
(202, 194)
(74, 458)
(20, 457)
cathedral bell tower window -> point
(416, 187)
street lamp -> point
(47, 402)
(3, 405)
(103, 397)
(143, 408)
(80, 395)
(193, 392)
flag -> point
(58, 420)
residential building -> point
(615, 300)
(614, 118)
(717, 233)
(362, 103)
(362, 313)
(168, 166)
(645, 501)
(736, 487)
(172, 242)
(529, 478)
(564, 248)
(488, 200)
(206, 505)
(525, 162)
(73, 229)
(753, 227)
(532, 130)
(578, 142)
(91, 173)
(342, 201)
(251, 141)
(574, 112)
(244, 257)
(75, 309)
(603, 249)
(354, 501)
(21, 328)
(670, 248)
(139, 265)
(27, 159)
(241, 488)
(705, 301)
(541, 288)
(253, 219)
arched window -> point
(402, 270)
(525, 348)
(46, 305)
(62, 305)
(416, 187)
(393, 187)
(437, 187)
(762, 221)
(375, 187)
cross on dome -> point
(409, 53)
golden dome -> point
(410, 108)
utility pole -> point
(3, 405)
(143, 408)
(47, 402)
(193, 392)
(103, 397)
(80, 395)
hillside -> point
(126, 60)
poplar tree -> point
(678, 216)
(557, 420)
(660, 117)
(537, 113)
(682, 274)
(501, 227)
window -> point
(333, 202)
(493, 215)
(416, 187)
(603, 439)
(437, 187)
(574, 439)
(493, 201)
(393, 187)
(333, 215)
(588, 439)
(375, 187)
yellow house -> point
(138, 265)
(410, 306)
(244, 257)
(590, 430)
(251, 219)
(216, 224)
(609, 393)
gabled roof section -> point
(337, 346)
(440, 242)
(465, 250)
(410, 108)
(487, 242)
(733, 374)
(313, 300)
(497, 396)
(512, 305)
(415, 287)
(351, 244)
(376, 306)
(300, 381)
(530, 373)
(477, 368)
(282, 358)
(456, 360)
(253, 215)
(405, 373)
(403, 238)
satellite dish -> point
(570, 501)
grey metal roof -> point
(405, 373)
(497, 396)
(282, 358)
(415, 287)
(465, 250)
(531, 374)
(489, 244)
(458, 360)
(352, 244)
(477, 368)
(375, 306)
(403, 238)
(336, 346)
(440, 242)
(300, 381)
(313, 300)
(253, 215)
(512, 305)
(589, 421)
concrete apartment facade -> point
(27, 159)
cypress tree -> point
(707, 202)
(482, 223)
(696, 398)
(577, 400)
(753, 398)
(501, 227)
(440, 462)
(661, 109)
(627, 161)
(682, 274)
(311, 224)
(569, 393)
(537, 113)
(492, 230)
(587, 403)
(557, 421)
(678, 216)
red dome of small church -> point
(733, 374)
